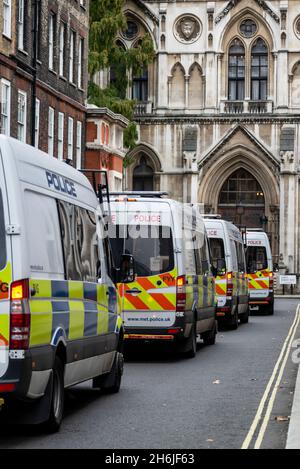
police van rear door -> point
(5, 272)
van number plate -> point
(16, 354)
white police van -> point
(172, 298)
(59, 308)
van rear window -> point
(2, 235)
(256, 258)
(216, 249)
(151, 246)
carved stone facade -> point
(227, 73)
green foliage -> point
(109, 98)
(130, 138)
(106, 20)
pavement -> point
(173, 403)
(293, 439)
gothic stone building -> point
(219, 110)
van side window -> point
(217, 250)
(2, 235)
(79, 241)
(43, 235)
(241, 257)
(234, 255)
(190, 253)
(202, 254)
(86, 244)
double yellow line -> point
(262, 417)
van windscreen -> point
(256, 258)
(217, 250)
(2, 235)
(150, 245)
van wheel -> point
(111, 382)
(245, 317)
(233, 323)
(189, 348)
(270, 309)
(209, 338)
(53, 423)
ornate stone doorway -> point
(242, 200)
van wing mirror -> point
(221, 266)
(127, 269)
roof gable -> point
(236, 137)
(232, 3)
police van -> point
(260, 271)
(173, 296)
(228, 257)
(59, 309)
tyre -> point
(233, 323)
(244, 318)
(269, 309)
(53, 423)
(189, 347)
(209, 338)
(111, 382)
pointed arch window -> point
(236, 71)
(140, 83)
(140, 86)
(143, 176)
(259, 71)
(242, 200)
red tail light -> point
(271, 278)
(19, 315)
(229, 277)
(180, 293)
(7, 387)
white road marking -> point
(283, 357)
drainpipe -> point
(34, 65)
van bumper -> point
(18, 379)
(261, 301)
(164, 335)
(177, 331)
(227, 309)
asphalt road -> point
(165, 402)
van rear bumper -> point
(261, 300)
(20, 371)
(227, 309)
(171, 333)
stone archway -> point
(242, 200)
(146, 165)
(219, 169)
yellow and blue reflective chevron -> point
(82, 309)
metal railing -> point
(246, 107)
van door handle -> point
(134, 291)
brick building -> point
(43, 74)
(104, 144)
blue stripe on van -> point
(90, 291)
(112, 299)
(60, 289)
(90, 318)
(61, 316)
